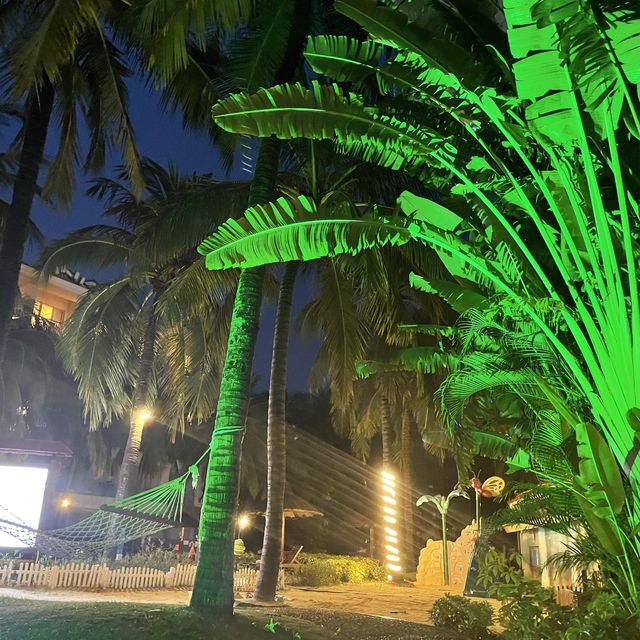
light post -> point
(442, 505)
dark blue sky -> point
(161, 137)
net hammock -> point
(143, 514)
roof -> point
(32, 447)
(294, 507)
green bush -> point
(528, 611)
(321, 570)
(469, 618)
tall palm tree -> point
(59, 58)
(276, 442)
(136, 345)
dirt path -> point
(411, 604)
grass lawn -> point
(46, 620)
(38, 620)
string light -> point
(389, 509)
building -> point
(54, 300)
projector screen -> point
(21, 495)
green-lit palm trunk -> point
(213, 587)
(276, 443)
(131, 460)
(38, 110)
(407, 499)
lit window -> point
(43, 310)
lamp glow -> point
(23, 506)
(144, 415)
(244, 521)
(65, 503)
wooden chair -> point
(290, 558)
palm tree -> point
(133, 345)
(213, 587)
(59, 58)
(276, 443)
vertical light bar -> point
(390, 519)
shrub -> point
(464, 616)
(320, 570)
(529, 611)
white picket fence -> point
(76, 575)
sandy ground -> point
(379, 599)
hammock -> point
(142, 514)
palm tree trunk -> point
(407, 501)
(387, 433)
(276, 443)
(131, 459)
(213, 587)
(38, 114)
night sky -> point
(161, 137)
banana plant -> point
(442, 505)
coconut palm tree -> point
(134, 345)
(59, 59)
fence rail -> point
(76, 575)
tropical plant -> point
(539, 199)
(64, 60)
(134, 345)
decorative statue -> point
(442, 505)
(491, 488)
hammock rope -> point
(137, 516)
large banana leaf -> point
(393, 28)
(287, 230)
(461, 298)
(327, 113)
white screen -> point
(21, 495)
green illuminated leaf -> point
(599, 470)
(343, 59)
(287, 230)
(459, 297)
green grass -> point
(37, 620)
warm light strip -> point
(392, 557)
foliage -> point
(467, 617)
(529, 611)
(161, 288)
(537, 210)
(319, 570)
